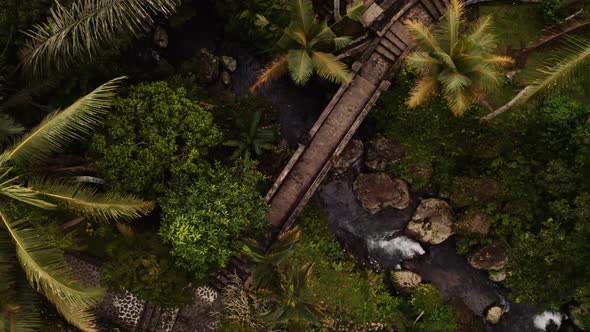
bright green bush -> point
(144, 266)
(205, 216)
(437, 317)
(152, 133)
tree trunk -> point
(505, 107)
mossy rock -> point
(466, 191)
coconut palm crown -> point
(306, 47)
(455, 60)
(43, 264)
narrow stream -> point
(376, 240)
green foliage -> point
(153, 132)
(551, 268)
(242, 20)
(144, 266)
(437, 316)
(455, 61)
(347, 292)
(251, 139)
(204, 217)
(550, 8)
(305, 48)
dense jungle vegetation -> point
(135, 138)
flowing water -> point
(376, 240)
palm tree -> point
(290, 307)
(79, 31)
(251, 139)
(457, 63)
(265, 274)
(306, 47)
(564, 67)
(43, 264)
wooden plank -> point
(388, 44)
(395, 40)
(441, 6)
(431, 8)
(386, 53)
(397, 16)
(343, 143)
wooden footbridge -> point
(350, 105)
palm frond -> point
(82, 29)
(422, 61)
(302, 14)
(276, 69)
(63, 127)
(9, 128)
(90, 202)
(330, 68)
(300, 66)
(499, 61)
(422, 91)
(457, 101)
(26, 195)
(49, 274)
(480, 28)
(557, 32)
(341, 42)
(450, 26)
(571, 63)
(22, 312)
(355, 10)
(422, 36)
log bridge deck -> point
(346, 111)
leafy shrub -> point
(438, 317)
(242, 20)
(205, 216)
(550, 8)
(144, 266)
(151, 133)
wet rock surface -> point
(383, 152)
(378, 191)
(491, 257)
(351, 154)
(494, 314)
(406, 280)
(432, 223)
(497, 276)
(229, 63)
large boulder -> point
(383, 152)
(466, 191)
(378, 191)
(406, 280)
(353, 151)
(432, 222)
(494, 314)
(491, 257)
(473, 223)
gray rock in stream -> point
(378, 191)
(432, 223)
(491, 257)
